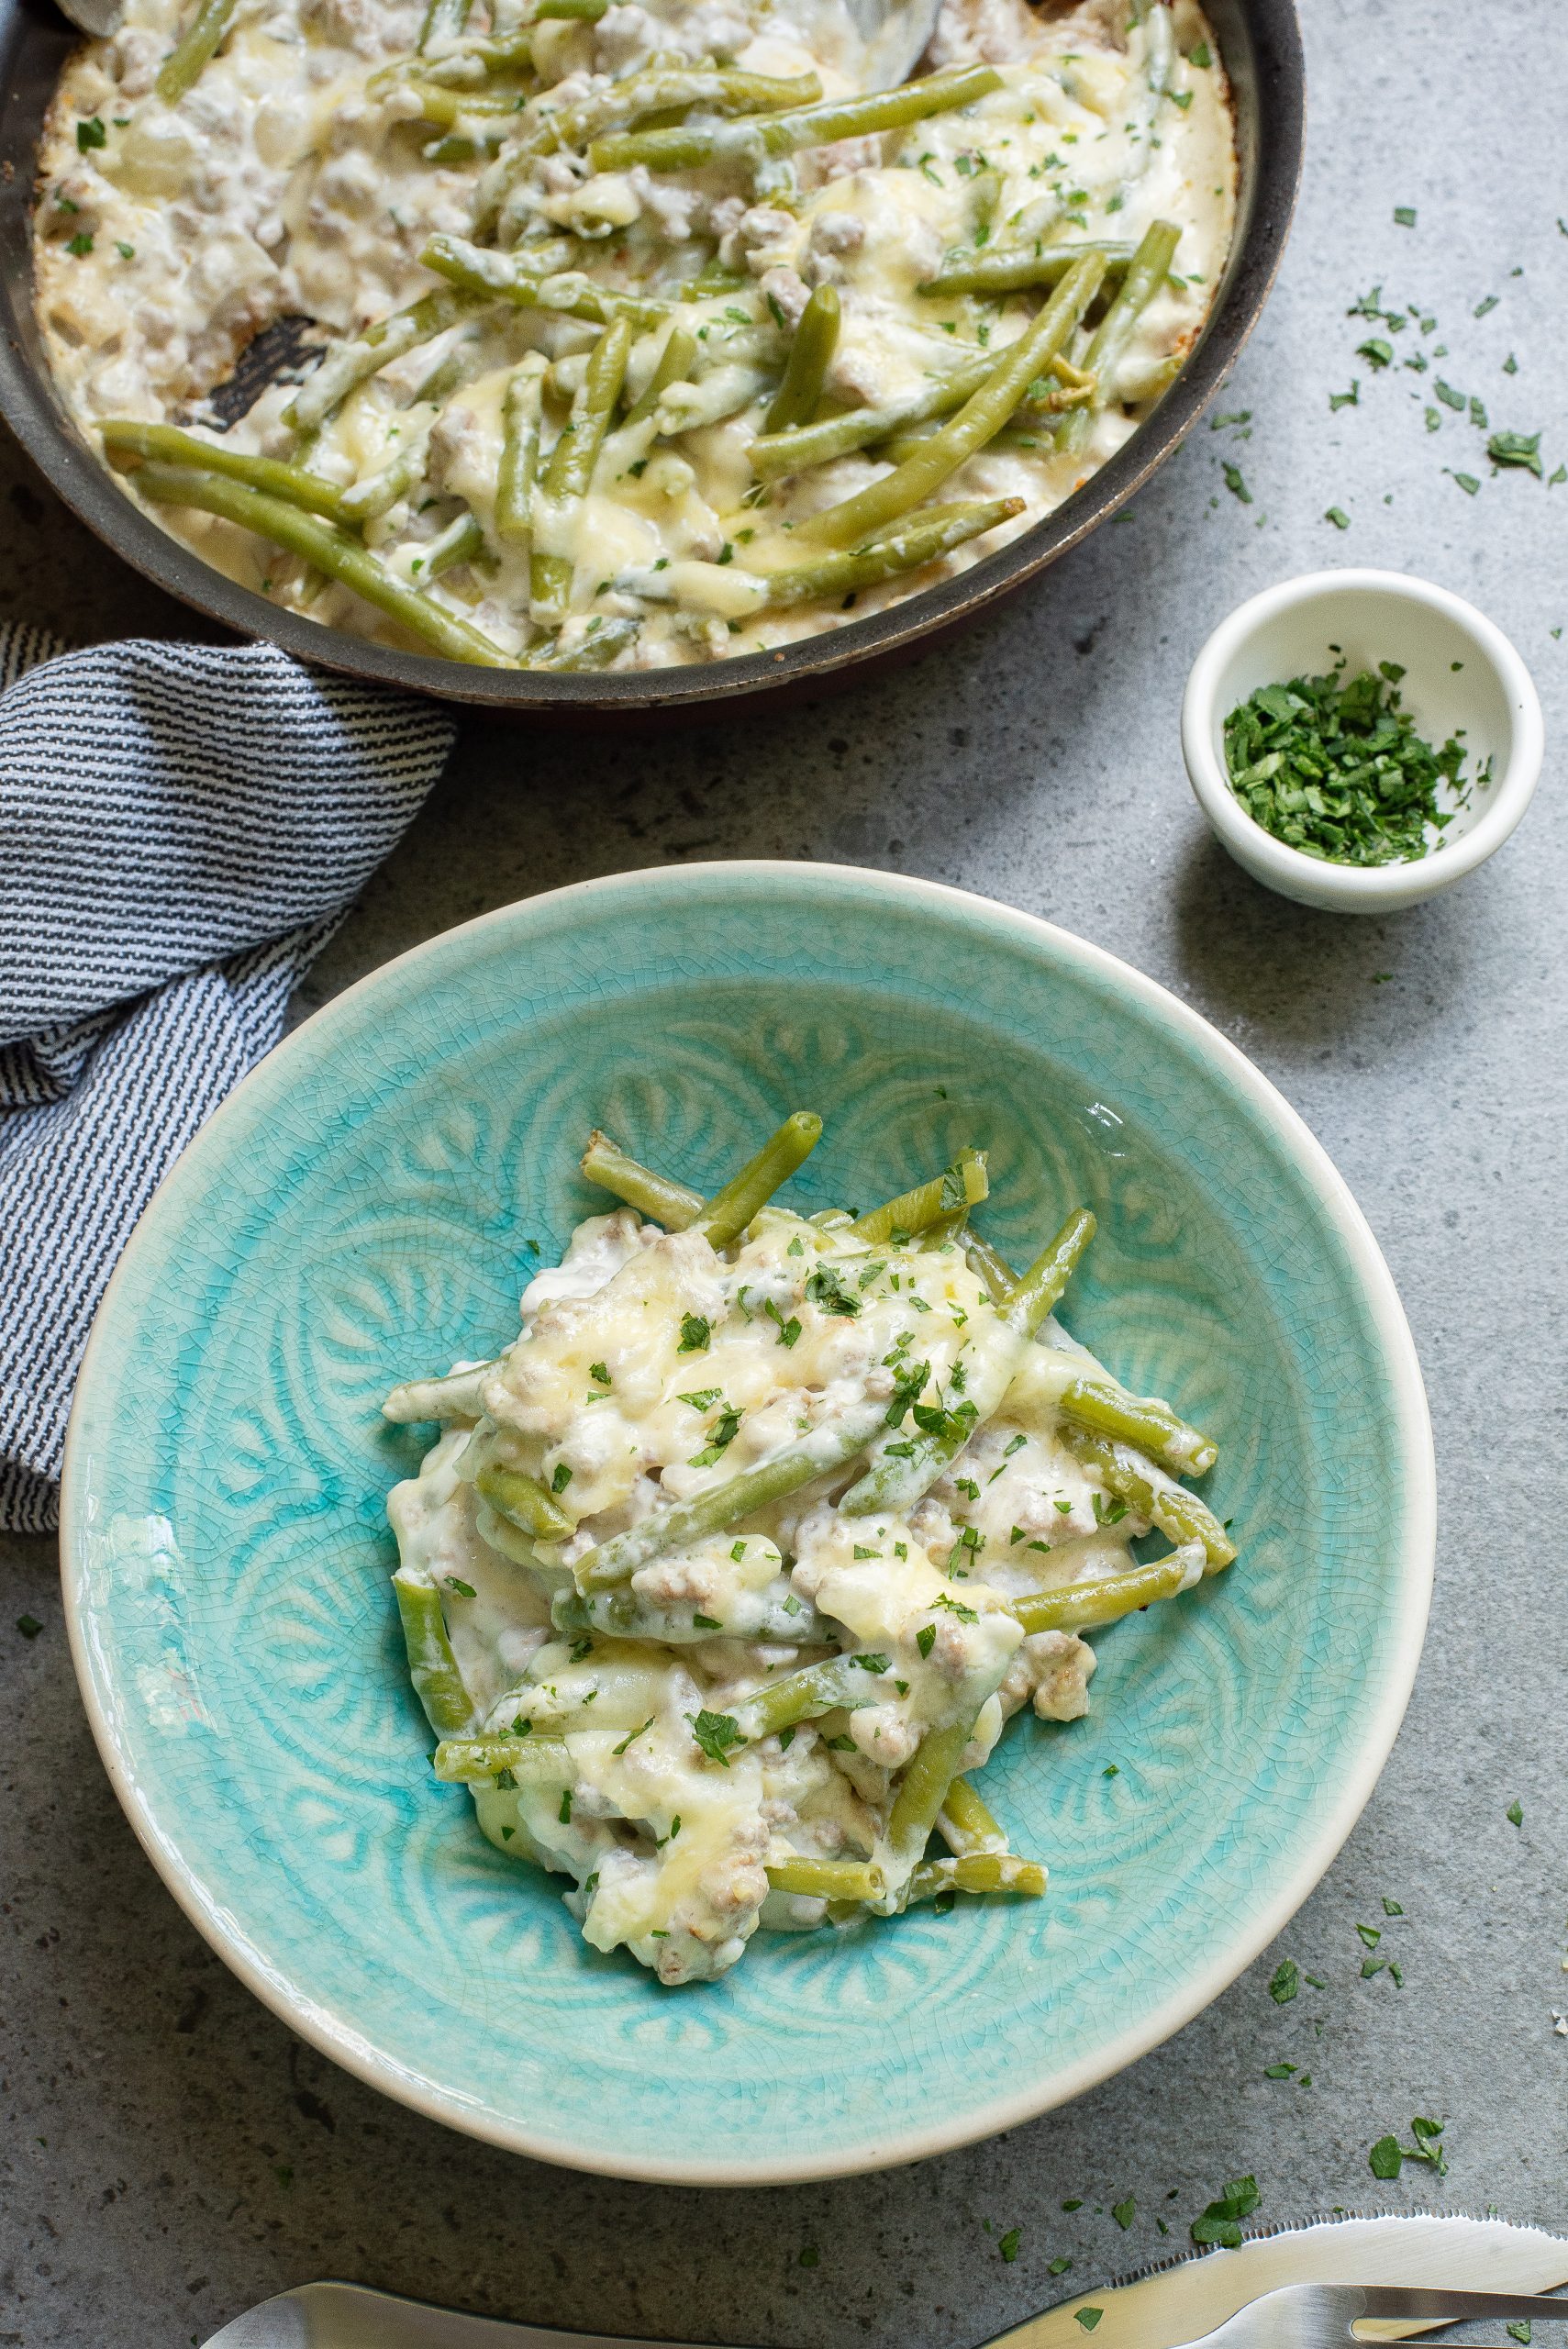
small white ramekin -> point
(1461, 673)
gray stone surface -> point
(171, 2153)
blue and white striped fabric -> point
(181, 829)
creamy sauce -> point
(651, 1369)
(302, 175)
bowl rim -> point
(1356, 888)
(1274, 66)
(336, 2036)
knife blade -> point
(1183, 2298)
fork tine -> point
(1437, 2306)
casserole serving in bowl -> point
(733, 515)
(383, 1187)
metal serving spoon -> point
(896, 32)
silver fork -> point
(1325, 2316)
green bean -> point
(168, 443)
(993, 1270)
(489, 112)
(520, 410)
(827, 1447)
(379, 492)
(331, 550)
(827, 1879)
(570, 468)
(456, 1396)
(774, 456)
(976, 1872)
(619, 1615)
(787, 134)
(461, 541)
(1073, 1606)
(1017, 267)
(663, 91)
(966, 1825)
(714, 278)
(1040, 1291)
(927, 535)
(1135, 1479)
(580, 12)
(183, 66)
(480, 273)
(524, 1502)
(1146, 272)
(351, 362)
(674, 364)
(432, 1667)
(605, 642)
(806, 1695)
(897, 1480)
(469, 1761)
(1142, 1420)
(810, 354)
(654, 1195)
(962, 1184)
(722, 391)
(980, 417)
(725, 1217)
(923, 1790)
(444, 20)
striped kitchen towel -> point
(181, 829)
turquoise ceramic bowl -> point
(364, 1206)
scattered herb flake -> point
(1487, 302)
(1346, 399)
(715, 1733)
(1515, 1814)
(1371, 1934)
(1278, 2071)
(809, 2257)
(695, 1334)
(1375, 351)
(1088, 2318)
(81, 244)
(1467, 482)
(1221, 2221)
(1285, 1982)
(90, 133)
(1125, 2212)
(1234, 484)
(561, 1478)
(1391, 1908)
(1008, 2245)
(633, 1734)
(1338, 515)
(1404, 216)
(463, 1590)
(28, 1626)
(825, 1289)
(925, 1639)
(1515, 448)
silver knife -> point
(1165, 2307)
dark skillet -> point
(1261, 43)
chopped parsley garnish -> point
(716, 1734)
(564, 1813)
(1058, 2267)
(1088, 2318)
(719, 1437)
(1009, 2244)
(825, 1289)
(1467, 482)
(81, 244)
(583, 1647)
(1199, 55)
(463, 1590)
(954, 1606)
(925, 1638)
(1515, 1814)
(796, 1246)
(1391, 1908)
(29, 1626)
(871, 1663)
(1487, 302)
(1234, 484)
(702, 1399)
(561, 1478)
(1338, 515)
(1338, 770)
(843, 1743)
(1285, 1982)
(1125, 2212)
(810, 2256)
(90, 133)
(1278, 2071)
(788, 1330)
(126, 252)
(706, 1622)
(1108, 1513)
(739, 1550)
(1221, 2221)
(521, 1728)
(954, 1425)
(1375, 351)
(695, 1334)
(596, 1371)
(909, 1384)
(631, 1737)
(1371, 1934)
(1404, 216)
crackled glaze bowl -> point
(368, 1202)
